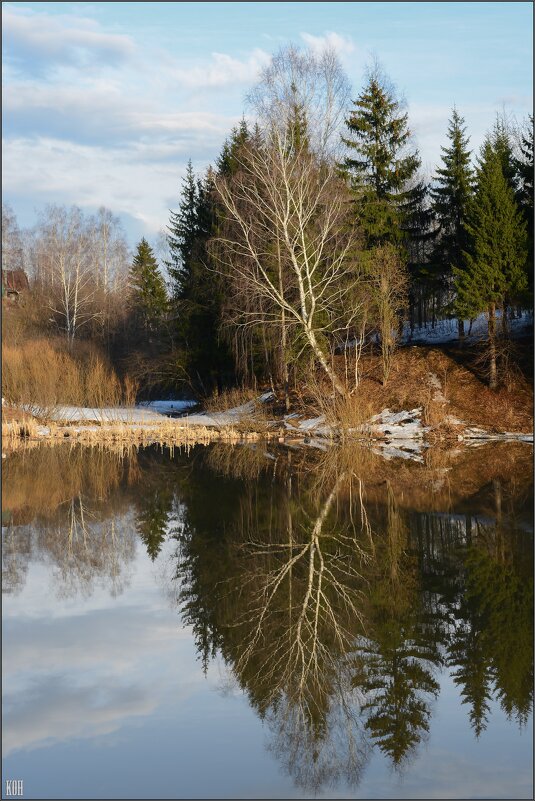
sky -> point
(104, 103)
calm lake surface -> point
(255, 622)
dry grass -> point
(42, 375)
(462, 393)
(254, 421)
(168, 433)
(25, 428)
(229, 399)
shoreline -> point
(404, 436)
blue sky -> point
(104, 103)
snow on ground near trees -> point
(448, 330)
(143, 413)
(157, 411)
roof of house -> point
(15, 280)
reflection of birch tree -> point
(87, 549)
(293, 611)
(16, 551)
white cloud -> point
(100, 112)
(343, 45)
(39, 39)
(223, 70)
(140, 180)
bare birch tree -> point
(63, 254)
(109, 250)
(316, 84)
(284, 208)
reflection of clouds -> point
(83, 668)
(446, 774)
(110, 637)
(53, 708)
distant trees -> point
(313, 236)
(64, 269)
(12, 242)
(316, 85)
(76, 264)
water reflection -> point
(337, 587)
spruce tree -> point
(228, 160)
(381, 171)
(524, 168)
(453, 188)
(149, 296)
(182, 234)
(524, 174)
(297, 125)
(496, 259)
(503, 146)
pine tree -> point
(228, 161)
(297, 132)
(503, 146)
(495, 262)
(149, 296)
(451, 196)
(524, 173)
(381, 171)
(182, 234)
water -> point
(263, 623)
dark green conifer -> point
(524, 171)
(149, 296)
(382, 169)
(495, 262)
(451, 193)
(182, 234)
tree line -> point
(313, 237)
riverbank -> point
(433, 395)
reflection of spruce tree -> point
(400, 652)
(467, 653)
(399, 678)
(492, 646)
(202, 567)
(153, 519)
(504, 599)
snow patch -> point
(405, 425)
